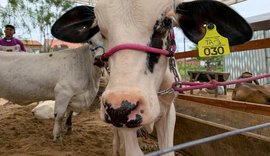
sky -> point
(250, 8)
(247, 8)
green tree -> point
(34, 16)
(212, 63)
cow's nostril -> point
(108, 118)
(136, 105)
(107, 106)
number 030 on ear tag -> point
(213, 44)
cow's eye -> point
(103, 36)
(167, 22)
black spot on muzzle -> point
(119, 117)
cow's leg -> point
(165, 130)
(61, 102)
(132, 147)
(68, 125)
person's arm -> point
(1, 44)
(22, 48)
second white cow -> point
(68, 77)
(44, 110)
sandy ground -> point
(23, 135)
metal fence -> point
(254, 61)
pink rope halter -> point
(213, 83)
(138, 47)
(141, 48)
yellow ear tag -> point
(213, 44)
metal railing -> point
(207, 139)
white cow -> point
(68, 77)
(44, 110)
(130, 101)
(220, 90)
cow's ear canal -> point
(194, 15)
(76, 25)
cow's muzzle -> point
(119, 117)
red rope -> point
(213, 83)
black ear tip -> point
(237, 34)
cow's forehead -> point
(130, 14)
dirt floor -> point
(23, 135)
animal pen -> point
(201, 117)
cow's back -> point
(251, 93)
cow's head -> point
(130, 98)
(248, 75)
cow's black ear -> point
(76, 25)
(194, 15)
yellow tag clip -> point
(213, 44)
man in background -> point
(10, 43)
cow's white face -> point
(130, 98)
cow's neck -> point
(166, 83)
